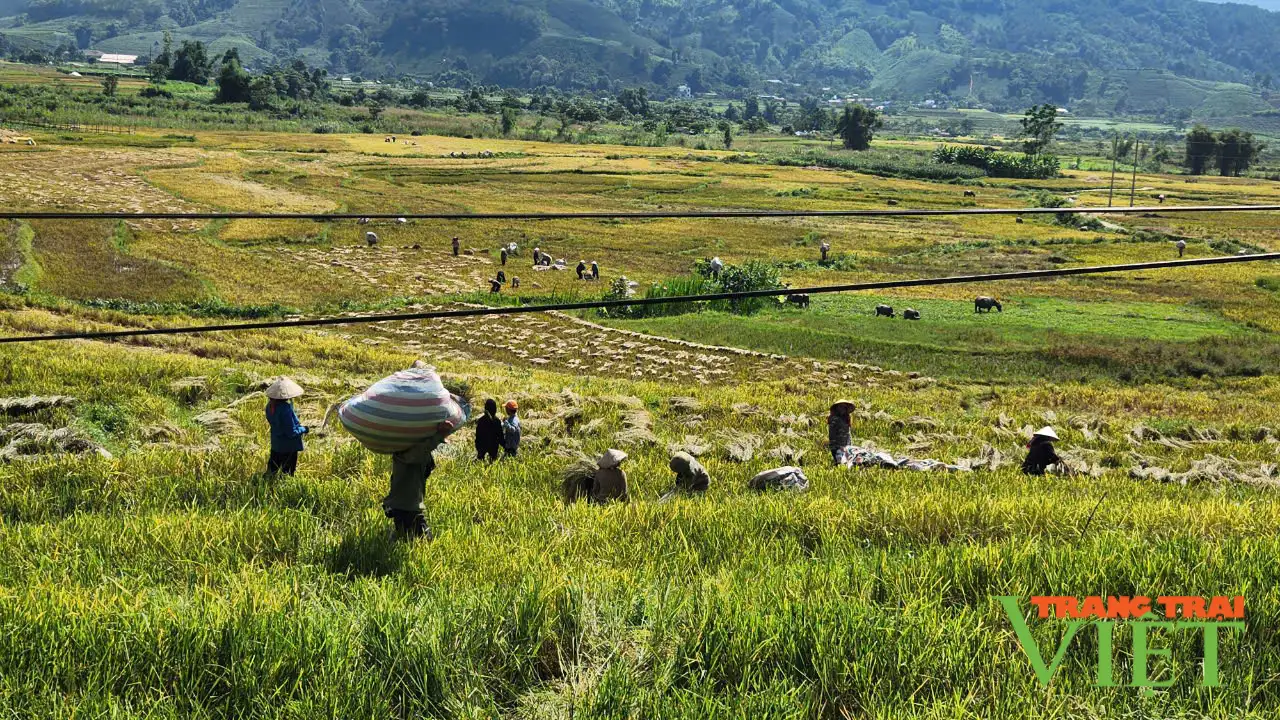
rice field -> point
(148, 569)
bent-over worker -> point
(1040, 453)
(610, 481)
(840, 430)
(691, 477)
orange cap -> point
(512, 405)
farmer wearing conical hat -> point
(840, 430)
(582, 269)
(1040, 452)
(286, 431)
(610, 481)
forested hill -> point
(995, 51)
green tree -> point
(752, 108)
(262, 93)
(233, 82)
(109, 85)
(635, 100)
(727, 128)
(509, 118)
(191, 63)
(1237, 150)
(375, 110)
(1039, 126)
(857, 126)
(1202, 147)
(163, 63)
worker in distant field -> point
(582, 269)
(1040, 453)
(825, 249)
(489, 433)
(840, 430)
(403, 504)
(537, 256)
(1182, 247)
(495, 286)
(503, 255)
(371, 238)
(502, 277)
(610, 481)
(716, 266)
(457, 246)
(595, 270)
(511, 430)
(691, 477)
(515, 282)
(286, 431)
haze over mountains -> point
(1167, 56)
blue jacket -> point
(511, 433)
(286, 431)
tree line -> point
(1231, 151)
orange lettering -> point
(1091, 608)
(1220, 609)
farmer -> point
(495, 286)
(511, 430)
(515, 282)
(502, 276)
(409, 472)
(610, 481)
(825, 248)
(582, 269)
(691, 477)
(840, 430)
(595, 270)
(1182, 247)
(1040, 453)
(537, 256)
(716, 266)
(457, 245)
(371, 238)
(286, 431)
(489, 433)
(504, 256)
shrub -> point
(998, 164)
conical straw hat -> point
(611, 459)
(284, 389)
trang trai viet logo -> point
(1209, 617)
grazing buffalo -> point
(884, 311)
(910, 314)
(800, 300)
(970, 193)
(984, 304)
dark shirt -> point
(489, 434)
(1039, 457)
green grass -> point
(1033, 339)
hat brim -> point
(285, 389)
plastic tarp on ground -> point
(855, 456)
(399, 411)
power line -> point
(590, 305)
(612, 215)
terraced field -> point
(148, 569)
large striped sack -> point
(400, 411)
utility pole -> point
(1115, 145)
(1133, 187)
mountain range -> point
(1184, 57)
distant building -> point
(116, 59)
(684, 91)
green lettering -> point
(1105, 635)
(1044, 673)
(1212, 677)
(1141, 653)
